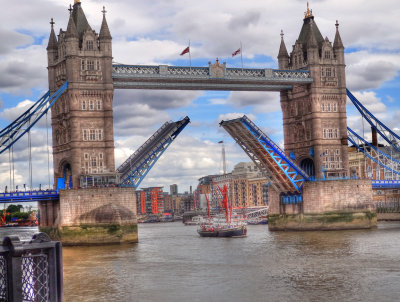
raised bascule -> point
(311, 185)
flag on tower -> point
(236, 52)
(186, 50)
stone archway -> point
(65, 173)
(307, 165)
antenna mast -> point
(223, 157)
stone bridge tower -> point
(314, 115)
(82, 119)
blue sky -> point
(155, 32)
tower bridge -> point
(312, 85)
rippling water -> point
(172, 263)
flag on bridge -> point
(186, 50)
(236, 52)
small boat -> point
(196, 220)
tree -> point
(14, 208)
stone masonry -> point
(314, 115)
(82, 119)
(91, 216)
(83, 139)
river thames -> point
(172, 263)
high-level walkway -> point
(214, 77)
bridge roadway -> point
(214, 77)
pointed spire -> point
(71, 28)
(312, 42)
(282, 49)
(80, 20)
(104, 30)
(338, 40)
(52, 39)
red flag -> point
(186, 50)
(236, 52)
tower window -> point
(328, 72)
(90, 65)
(84, 135)
(94, 161)
(92, 135)
(83, 65)
(99, 134)
(91, 105)
(327, 54)
(83, 105)
(89, 45)
(98, 104)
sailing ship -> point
(225, 227)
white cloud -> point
(370, 101)
(263, 101)
(367, 70)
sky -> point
(155, 32)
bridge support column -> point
(326, 205)
(94, 216)
(48, 212)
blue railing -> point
(376, 184)
(28, 196)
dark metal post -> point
(32, 270)
(14, 268)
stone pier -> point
(326, 205)
(91, 216)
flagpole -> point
(241, 53)
(190, 58)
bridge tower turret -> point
(314, 115)
(82, 119)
